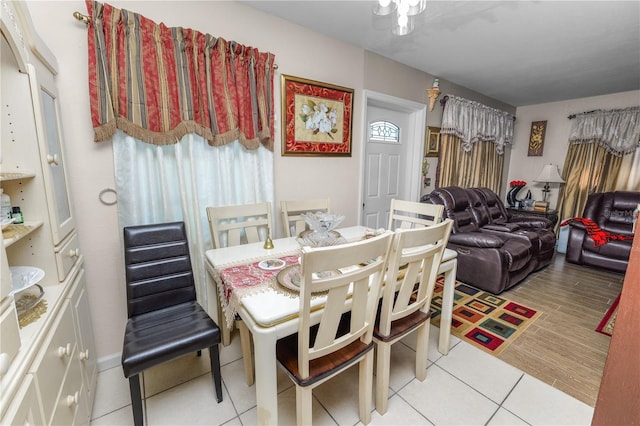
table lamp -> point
(549, 174)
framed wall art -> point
(432, 142)
(316, 118)
(536, 139)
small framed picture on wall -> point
(536, 138)
(432, 142)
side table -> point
(550, 214)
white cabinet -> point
(84, 335)
(48, 367)
(25, 409)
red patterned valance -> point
(157, 83)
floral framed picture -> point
(316, 118)
(536, 138)
(432, 142)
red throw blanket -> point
(599, 236)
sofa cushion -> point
(613, 249)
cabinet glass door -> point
(60, 212)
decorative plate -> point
(23, 277)
(314, 239)
(309, 232)
(271, 264)
(289, 277)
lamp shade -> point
(549, 174)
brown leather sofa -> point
(612, 212)
(494, 251)
(495, 214)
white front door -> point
(385, 165)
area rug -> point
(485, 320)
(609, 319)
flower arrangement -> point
(517, 183)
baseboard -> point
(109, 361)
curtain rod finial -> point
(80, 17)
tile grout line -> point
(506, 397)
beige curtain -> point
(629, 174)
(587, 168)
(480, 167)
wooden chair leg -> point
(304, 399)
(136, 399)
(365, 387)
(214, 356)
(383, 354)
(422, 351)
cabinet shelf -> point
(14, 233)
(4, 177)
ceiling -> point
(518, 52)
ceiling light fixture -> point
(405, 11)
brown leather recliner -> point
(492, 210)
(612, 212)
(491, 261)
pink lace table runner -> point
(236, 282)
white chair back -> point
(414, 260)
(356, 290)
(292, 222)
(239, 224)
(410, 214)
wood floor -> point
(561, 348)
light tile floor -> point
(466, 387)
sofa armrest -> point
(476, 239)
(532, 222)
(575, 241)
(577, 225)
(502, 227)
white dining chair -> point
(413, 268)
(343, 335)
(239, 224)
(232, 226)
(292, 222)
(410, 214)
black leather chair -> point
(165, 320)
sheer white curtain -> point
(164, 183)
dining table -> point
(271, 313)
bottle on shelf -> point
(5, 205)
(16, 215)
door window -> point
(384, 131)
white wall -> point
(556, 141)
